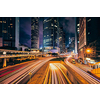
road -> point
(56, 74)
(85, 75)
(21, 73)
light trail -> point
(56, 75)
(22, 74)
(86, 76)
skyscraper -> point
(76, 34)
(89, 33)
(50, 33)
(61, 40)
(35, 32)
(9, 32)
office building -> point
(34, 32)
(51, 34)
(71, 45)
(9, 32)
(61, 40)
(89, 33)
(76, 36)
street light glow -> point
(88, 50)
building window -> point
(88, 32)
(4, 21)
(0, 21)
(51, 24)
(55, 25)
(78, 42)
(4, 31)
(78, 24)
(46, 27)
(51, 34)
(88, 20)
(11, 24)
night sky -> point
(68, 24)
(25, 31)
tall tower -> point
(9, 32)
(35, 32)
(61, 40)
(76, 34)
(89, 33)
(50, 33)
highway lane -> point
(9, 69)
(85, 75)
(56, 75)
(22, 75)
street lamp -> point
(88, 50)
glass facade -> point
(51, 33)
(35, 32)
(7, 31)
(61, 40)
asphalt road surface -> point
(21, 73)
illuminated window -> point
(5, 44)
(32, 27)
(50, 39)
(4, 21)
(88, 32)
(51, 24)
(78, 30)
(78, 24)
(0, 21)
(46, 27)
(51, 34)
(55, 21)
(4, 31)
(55, 25)
(88, 20)
(78, 42)
(47, 40)
(11, 24)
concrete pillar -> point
(4, 62)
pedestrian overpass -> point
(4, 53)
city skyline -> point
(68, 24)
